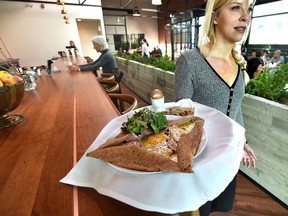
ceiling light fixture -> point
(156, 2)
(63, 11)
(136, 12)
(149, 10)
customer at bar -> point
(72, 46)
(277, 58)
(106, 60)
(214, 74)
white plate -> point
(201, 147)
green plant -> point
(163, 63)
(271, 85)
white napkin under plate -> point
(168, 192)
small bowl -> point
(10, 98)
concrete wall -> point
(266, 123)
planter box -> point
(142, 79)
(266, 123)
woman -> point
(265, 57)
(106, 59)
(72, 46)
(145, 48)
(214, 74)
(254, 67)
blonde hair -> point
(207, 35)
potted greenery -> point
(163, 63)
(271, 85)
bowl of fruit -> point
(11, 94)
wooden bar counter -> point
(63, 116)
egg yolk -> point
(154, 139)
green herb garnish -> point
(145, 119)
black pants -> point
(224, 202)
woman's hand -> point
(249, 157)
(73, 67)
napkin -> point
(168, 192)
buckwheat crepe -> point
(173, 149)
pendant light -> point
(156, 2)
(63, 11)
(60, 2)
(136, 12)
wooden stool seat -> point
(107, 76)
(124, 102)
(110, 86)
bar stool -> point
(110, 86)
(124, 102)
(107, 76)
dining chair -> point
(124, 102)
(110, 86)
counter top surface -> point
(63, 116)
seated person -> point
(265, 57)
(72, 46)
(159, 51)
(139, 50)
(254, 67)
(258, 55)
(277, 58)
(253, 54)
(106, 59)
(154, 53)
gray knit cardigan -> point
(106, 60)
(196, 79)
